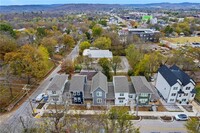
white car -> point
(181, 117)
(39, 97)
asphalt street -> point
(158, 126)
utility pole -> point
(27, 90)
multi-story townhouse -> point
(174, 85)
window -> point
(74, 93)
(175, 88)
(186, 94)
(78, 93)
(79, 99)
(121, 101)
(187, 88)
(99, 93)
(183, 100)
(144, 94)
(173, 94)
(179, 95)
(143, 100)
(99, 100)
(53, 92)
(121, 94)
(192, 95)
(75, 99)
(130, 96)
(171, 100)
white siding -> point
(174, 91)
(162, 86)
(125, 99)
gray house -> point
(76, 88)
(56, 88)
(99, 89)
(143, 90)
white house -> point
(174, 85)
(56, 88)
(121, 90)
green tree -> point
(7, 28)
(193, 125)
(84, 45)
(121, 121)
(68, 67)
(49, 44)
(41, 32)
(105, 64)
(27, 61)
(97, 31)
(102, 43)
(116, 63)
(68, 41)
(7, 44)
(149, 64)
(133, 55)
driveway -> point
(124, 65)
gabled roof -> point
(173, 74)
(77, 83)
(168, 75)
(141, 85)
(181, 75)
(121, 84)
(99, 80)
(58, 82)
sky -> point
(36, 2)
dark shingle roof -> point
(77, 83)
(173, 74)
(120, 84)
(99, 80)
(141, 85)
(181, 75)
(58, 82)
(168, 75)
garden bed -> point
(166, 118)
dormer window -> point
(99, 93)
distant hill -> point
(93, 7)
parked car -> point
(39, 97)
(181, 117)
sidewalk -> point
(140, 113)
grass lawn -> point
(183, 40)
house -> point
(174, 85)
(76, 88)
(143, 90)
(121, 90)
(55, 89)
(97, 54)
(99, 89)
